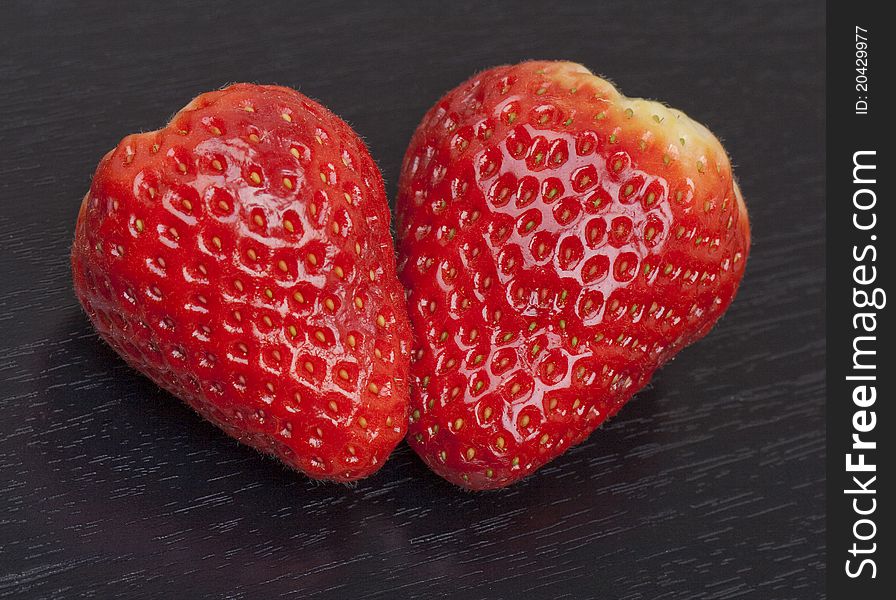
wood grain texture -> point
(708, 485)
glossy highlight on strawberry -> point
(241, 258)
(559, 242)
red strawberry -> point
(241, 258)
(559, 243)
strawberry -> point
(559, 243)
(241, 258)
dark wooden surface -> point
(708, 485)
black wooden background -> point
(708, 485)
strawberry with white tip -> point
(559, 243)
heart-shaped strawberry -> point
(241, 258)
(559, 243)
